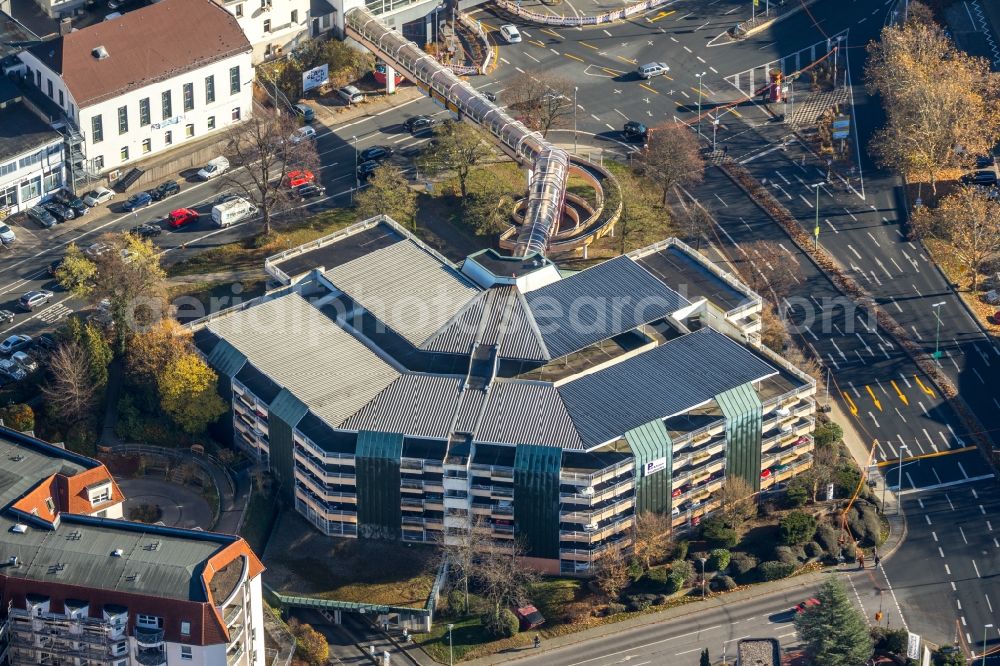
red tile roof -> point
(68, 494)
(144, 46)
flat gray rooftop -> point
(689, 277)
(338, 252)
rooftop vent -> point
(19, 528)
(100, 53)
(13, 561)
(117, 552)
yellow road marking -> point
(589, 46)
(570, 55)
(488, 27)
(631, 62)
(536, 43)
(874, 399)
(612, 71)
(737, 113)
(648, 88)
(901, 395)
(661, 15)
(936, 454)
(551, 32)
(850, 403)
(928, 391)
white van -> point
(652, 69)
(232, 211)
(112, 16)
(215, 167)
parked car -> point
(651, 69)
(375, 153)
(137, 201)
(983, 161)
(367, 169)
(350, 94)
(215, 167)
(987, 176)
(10, 368)
(59, 211)
(488, 95)
(42, 216)
(182, 217)
(676, 492)
(808, 603)
(146, 230)
(94, 250)
(302, 134)
(994, 318)
(46, 341)
(310, 191)
(15, 343)
(415, 124)
(510, 33)
(635, 131)
(33, 299)
(164, 190)
(22, 359)
(766, 474)
(299, 177)
(7, 235)
(305, 111)
(73, 202)
(6, 316)
(54, 266)
(98, 196)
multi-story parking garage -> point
(396, 395)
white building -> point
(80, 586)
(31, 154)
(271, 26)
(149, 81)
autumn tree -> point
(458, 148)
(488, 208)
(942, 105)
(20, 417)
(612, 575)
(188, 393)
(541, 100)
(264, 147)
(92, 340)
(70, 392)
(123, 274)
(157, 348)
(651, 537)
(502, 576)
(767, 268)
(310, 645)
(736, 501)
(671, 158)
(969, 222)
(388, 193)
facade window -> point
(264, 4)
(10, 167)
(267, 25)
(124, 154)
(234, 80)
(31, 189)
(295, 16)
(62, 99)
(147, 146)
(188, 96)
(211, 122)
(97, 129)
(239, 11)
(34, 158)
(189, 130)
(168, 109)
(8, 196)
(185, 628)
(210, 87)
(122, 119)
(53, 180)
(99, 162)
(49, 82)
(168, 137)
(236, 114)
(149, 621)
(144, 116)
(186, 652)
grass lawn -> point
(303, 561)
(262, 511)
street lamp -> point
(575, 89)
(816, 229)
(451, 646)
(357, 182)
(715, 129)
(937, 331)
(702, 559)
(699, 100)
(985, 627)
(899, 488)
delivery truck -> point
(232, 211)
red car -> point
(676, 492)
(766, 474)
(182, 217)
(296, 178)
(808, 603)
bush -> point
(785, 555)
(675, 582)
(796, 496)
(681, 549)
(615, 609)
(724, 583)
(949, 655)
(797, 528)
(828, 434)
(888, 640)
(635, 570)
(865, 524)
(20, 417)
(456, 602)
(82, 438)
(501, 625)
(637, 606)
(658, 575)
(813, 550)
(682, 568)
(717, 534)
(826, 535)
(846, 480)
(741, 563)
(772, 570)
(718, 559)
(660, 599)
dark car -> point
(137, 201)
(310, 191)
(54, 266)
(986, 176)
(164, 190)
(59, 211)
(146, 230)
(416, 124)
(46, 341)
(985, 161)
(42, 216)
(375, 153)
(635, 131)
(73, 203)
(488, 95)
(367, 169)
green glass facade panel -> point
(744, 428)
(226, 359)
(536, 498)
(376, 462)
(284, 413)
(653, 451)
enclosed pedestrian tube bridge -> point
(548, 166)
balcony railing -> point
(588, 478)
(151, 657)
(148, 637)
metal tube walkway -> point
(549, 165)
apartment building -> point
(397, 395)
(271, 26)
(32, 154)
(79, 585)
(144, 83)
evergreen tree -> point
(705, 659)
(834, 631)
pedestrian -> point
(725, 150)
(877, 560)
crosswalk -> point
(55, 313)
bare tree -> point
(462, 551)
(824, 467)
(651, 541)
(737, 501)
(502, 575)
(969, 222)
(268, 148)
(671, 158)
(69, 392)
(612, 573)
(542, 101)
(458, 149)
(767, 268)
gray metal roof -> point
(22, 467)
(526, 412)
(415, 404)
(659, 383)
(405, 286)
(302, 350)
(599, 303)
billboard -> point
(315, 77)
(654, 466)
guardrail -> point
(527, 15)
